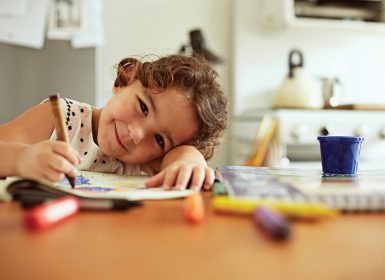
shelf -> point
(345, 25)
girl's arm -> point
(25, 150)
(181, 166)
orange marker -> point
(194, 208)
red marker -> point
(50, 213)
(194, 209)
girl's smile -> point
(118, 139)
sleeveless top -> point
(78, 117)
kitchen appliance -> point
(198, 46)
(298, 89)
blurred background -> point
(303, 68)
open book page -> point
(4, 195)
(107, 186)
(94, 184)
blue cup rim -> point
(350, 139)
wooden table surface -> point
(155, 242)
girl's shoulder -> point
(69, 103)
(77, 117)
(72, 107)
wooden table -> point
(155, 242)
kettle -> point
(298, 89)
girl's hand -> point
(48, 161)
(182, 173)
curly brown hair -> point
(197, 79)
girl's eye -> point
(143, 107)
(159, 139)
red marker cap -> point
(50, 213)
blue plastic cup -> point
(340, 154)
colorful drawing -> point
(79, 180)
(95, 189)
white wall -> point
(160, 27)
(356, 56)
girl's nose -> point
(137, 134)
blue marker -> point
(272, 222)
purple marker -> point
(272, 222)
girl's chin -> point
(106, 149)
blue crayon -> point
(273, 223)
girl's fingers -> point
(183, 177)
(197, 178)
(156, 180)
(66, 151)
(209, 179)
(179, 177)
(62, 165)
(170, 177)
(49, 161)
(53, 176)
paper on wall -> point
(28, 29)
(64, 19)
(91, 33)
(13, 7)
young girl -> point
(165, 119)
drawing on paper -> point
(103, 185)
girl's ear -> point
(115, 89)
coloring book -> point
(111, 186)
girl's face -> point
(137, 125)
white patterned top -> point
(78, 118)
